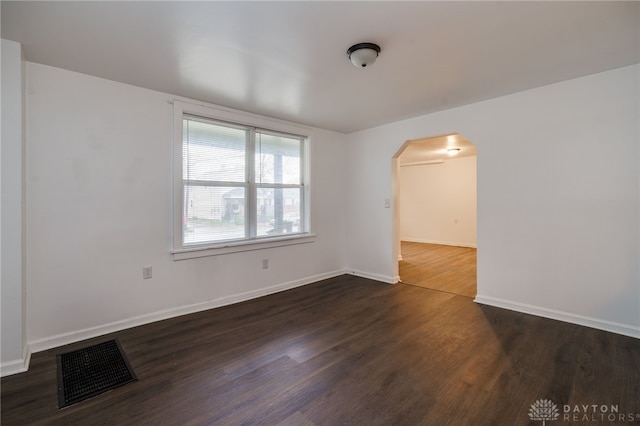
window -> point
(239, 184)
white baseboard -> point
(18, 365)
(377, 277)
(88, 333)
(613, 327)
(442, 243)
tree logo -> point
(544, 410)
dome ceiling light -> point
(363, 54)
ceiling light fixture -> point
(453, 151)
(363, 54)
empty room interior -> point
(320, 213)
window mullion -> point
(279, 185)
(303, 202)
(251, 227)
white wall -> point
(558, 198)
(14, 354)
(99, 209)
(437, 202)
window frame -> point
(260, 123)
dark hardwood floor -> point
(345, 350)
(439, 267)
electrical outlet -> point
(147, 272)
(265, 263)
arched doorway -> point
(435, 212)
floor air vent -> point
(88, 372)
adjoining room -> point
(437, 214)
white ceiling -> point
(288, 59)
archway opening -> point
(435, 213)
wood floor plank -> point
(439, 267)
(346, 350)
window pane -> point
(277, 159)
(213, 152)
(213, 213)
(279, 211)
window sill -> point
(240, 246)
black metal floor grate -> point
(91, 371)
